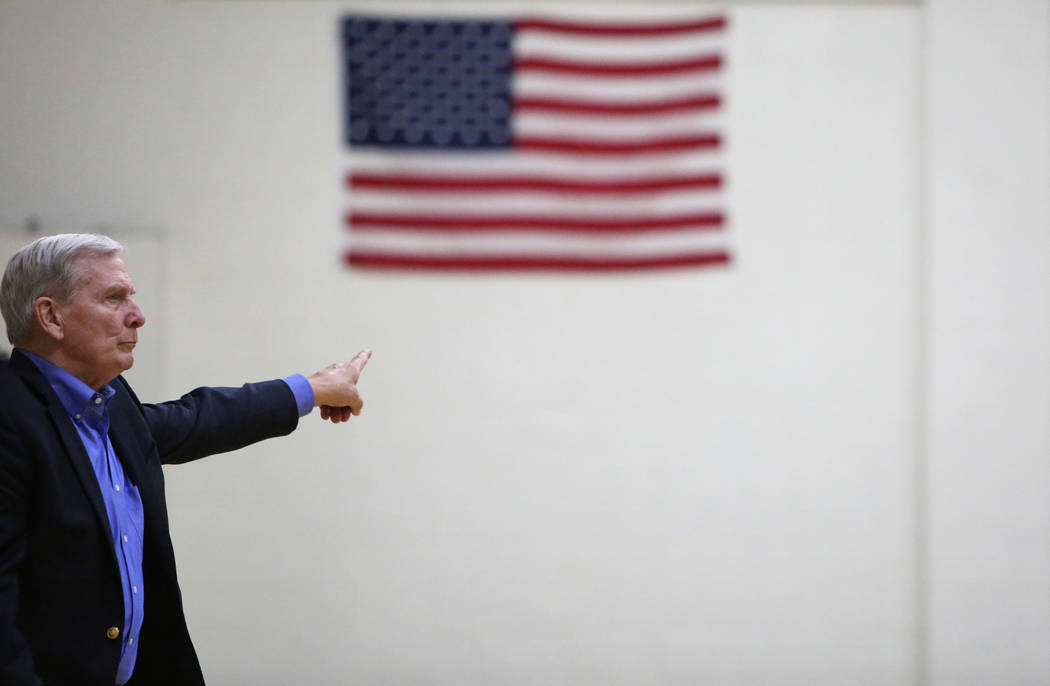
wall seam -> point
(923, 323)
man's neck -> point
(55, 356)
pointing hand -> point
(335, 388)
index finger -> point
(361, 359)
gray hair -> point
(47, 266)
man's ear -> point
(45, 311)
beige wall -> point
(824, 465)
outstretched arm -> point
(335, 388)
(208, 421)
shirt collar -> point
(75, 395)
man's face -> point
(100, 324)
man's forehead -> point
(103, 270)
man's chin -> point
(127, 355)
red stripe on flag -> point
(704, 101)
(607, 29)
(701, 63)
(596, 147)
(361, 258)
(374, 221)
(455, 183)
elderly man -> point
(88, 591)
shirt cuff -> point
(303, 392)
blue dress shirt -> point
(88, 411)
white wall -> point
(988, 373)
(775, 473)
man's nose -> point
(136, 317)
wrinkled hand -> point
(335, 388)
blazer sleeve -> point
(16, 659)
(207, 421)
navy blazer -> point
(60, 589)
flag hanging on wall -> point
(536, 143)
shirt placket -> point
(98, 419)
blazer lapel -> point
(78, 457)
(81, 462)
(122, 448)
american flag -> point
(537, 143)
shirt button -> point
(134, 589)
(97, 400)
(117, 486)
(130, 641)
(125, 539)
(77, 417)
(112, 632)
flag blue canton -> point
(427, 84)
